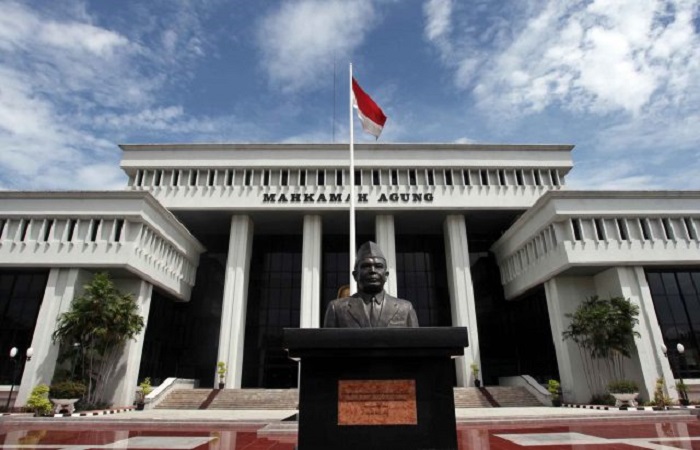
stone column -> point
(385, 236)
(648, 363)
(124, 380)
(311, 272)
(564, 295)
(62, 286)
(233, 310)
(462, 303)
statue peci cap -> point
(369, 250)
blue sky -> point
(620, 79)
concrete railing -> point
(532, 386)
(159, 393)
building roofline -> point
(344, 146)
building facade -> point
(224, 245)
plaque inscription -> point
(377, 402)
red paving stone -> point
(607, 435)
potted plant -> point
(38, 401)
(661, 400)
(682, 389)
(221, 371)
(65, 394)
(554, 389)
(475, 373)
(624, 391)
(145, 388)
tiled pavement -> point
(478, 429)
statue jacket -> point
(349, 312)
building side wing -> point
(99, 230)
(598, 229)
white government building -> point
(224, 245)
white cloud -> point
(438, 15)
(599, 57)
(71, 88)
(299, 40)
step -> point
(470, 397)
(256, 399)
(184, 399)
(513, 396)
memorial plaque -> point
(377, 402)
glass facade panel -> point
(21, 294)
(676, 297)
(182, 338)
(515, 336)
(274, 299)
(421, 278)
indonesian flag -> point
(371, 115)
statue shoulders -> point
(343, 301)
(402, 303)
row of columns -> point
(233, 316)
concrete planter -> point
(64, 404)
(625, 399)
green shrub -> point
(660, 399)
(38, 401)
(622, 387)
(67, 389)
(145, 389)
(605, 400)
(554, 387)
(221, 370)
(475, 369)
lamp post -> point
(15, 362)
(680, 349)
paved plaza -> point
(477, 429)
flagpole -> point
(353, 285)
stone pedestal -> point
(389, 388)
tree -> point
(604, 331)
(100, 321)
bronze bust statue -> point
(371, 306)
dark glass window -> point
(484, 177)
(448, 178)
(676, 297)
(622, 229)
(274, 299)
(182, 338)
(21, 294)
(421, 277)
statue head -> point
(370, 270)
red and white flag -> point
(371, 115)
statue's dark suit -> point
(349, 312)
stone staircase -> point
(470, 397)
(184, 399)
(256, 399)
(272, 399)
(513, 396)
